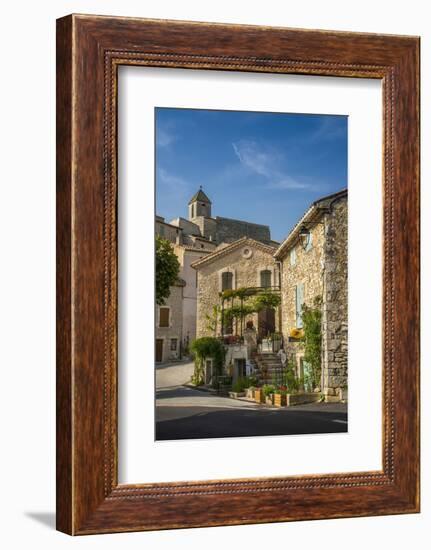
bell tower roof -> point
(199, 196)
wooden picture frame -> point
(89, 51)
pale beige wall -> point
(174, 302)
(189, 275)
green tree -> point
(167, 269)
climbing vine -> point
(312, 327)
(203, 348)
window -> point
(164, 317)
(299, 301)
(174, 344)
(309, 242)
(293, 256)
(265, 278)
(162, 230)
(226, 280)
(193, 210)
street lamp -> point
(304, 235)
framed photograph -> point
(237, 274)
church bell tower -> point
(199, 205)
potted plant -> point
(268, 391)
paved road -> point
(186, 413)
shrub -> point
(240, 385)
(289, 379)
(268, 389)
(243, 383)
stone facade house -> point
(169, 325)
(245, 263)
(242, 264)
(313, 261)
(182, 305)
(168, 231)
(187, 255)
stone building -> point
(170, 232)
(193, 239)
(245, 263)
(313, 261)
(187, 255)
(169, 325)
(219, 229)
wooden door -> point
(159, 350)
(266, 322)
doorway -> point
(266, 322)
(159, 350)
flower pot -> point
(269, 399)
(279, 400)
(259, 397)
(249, 393)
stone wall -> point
(188, 227)
(246, 271)
(229, 230)
(207, 227)
(335, 305)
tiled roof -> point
(220, 252)
(314, 212)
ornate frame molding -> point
(90, 49)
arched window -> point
(265, 278)
(226, 280)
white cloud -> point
(289, 183)
(328, 129)
(164, 137)
(266, 163)
(252, 157)
(171, 180)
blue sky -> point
(260, 167)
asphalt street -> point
(187, 413)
